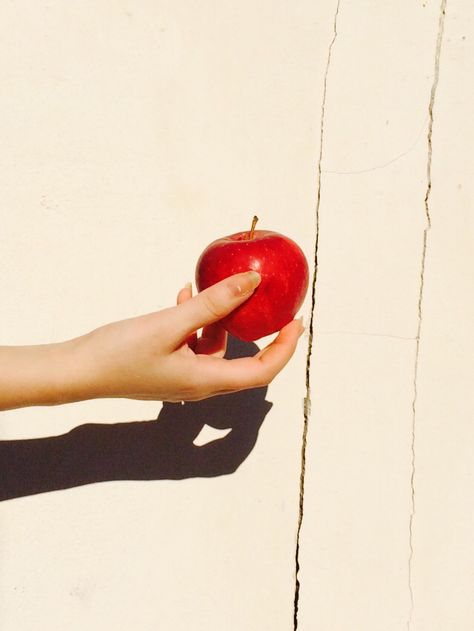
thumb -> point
(215, 302)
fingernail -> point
(300, 320)
(188, 285)
(246, 283)
(254, 278)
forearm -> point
(48, 374)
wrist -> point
(52, 376)
(66, 373)
(48, 374)
(73, 378)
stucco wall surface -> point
(134, 133)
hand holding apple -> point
(284, 279)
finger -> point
(186, 293)
(213, 341)
(214, 303)
(257, 371)
(289, 334)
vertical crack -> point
(307, 400)
(426, 230)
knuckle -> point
(212, 306)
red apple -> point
(283, 270)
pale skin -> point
(158, 356)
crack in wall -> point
(434, 87)
(307, 399)
(384, 165)
(366, 334)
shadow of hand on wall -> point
(162, 449)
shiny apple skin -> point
(284, 279)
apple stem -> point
(252, 229)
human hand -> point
(156, 356)
(160, 357)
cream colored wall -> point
(132, 134)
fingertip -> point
(301, 323)
(255, 278)
(294, 329)
(243, 284)
(185, 293)
(279, 352)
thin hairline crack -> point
(434, 87)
